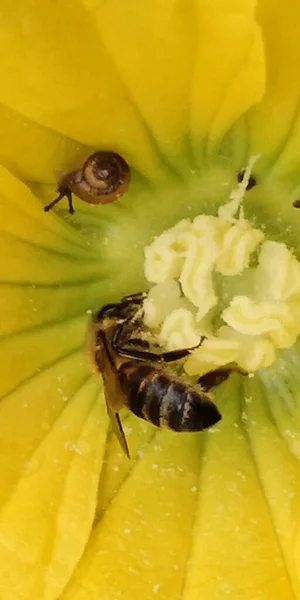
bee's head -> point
(108, 311)
(125, 310)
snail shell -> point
(103, 178)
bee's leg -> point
(139, 354)
(174, 355)
(120, 341)
(216, 377)
(129, 349)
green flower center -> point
(220, 277)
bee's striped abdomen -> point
(165, 400)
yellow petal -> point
(46, 521)
(139, 548)
(34, 152)
(78, 83)
(229, 73)
(31, 409)
(274, 125)
(116, 467)
(92, 89)
(141, 545)
(234, 538)
(152, 47)
(52, 420)
(30, 239)
(278, 471)
(137, 89)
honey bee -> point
(134, 376)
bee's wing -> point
(114, 400)
(118, 429)
(114, 396)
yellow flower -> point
(186, 92)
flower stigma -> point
(219, 277)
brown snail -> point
(103, 178)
